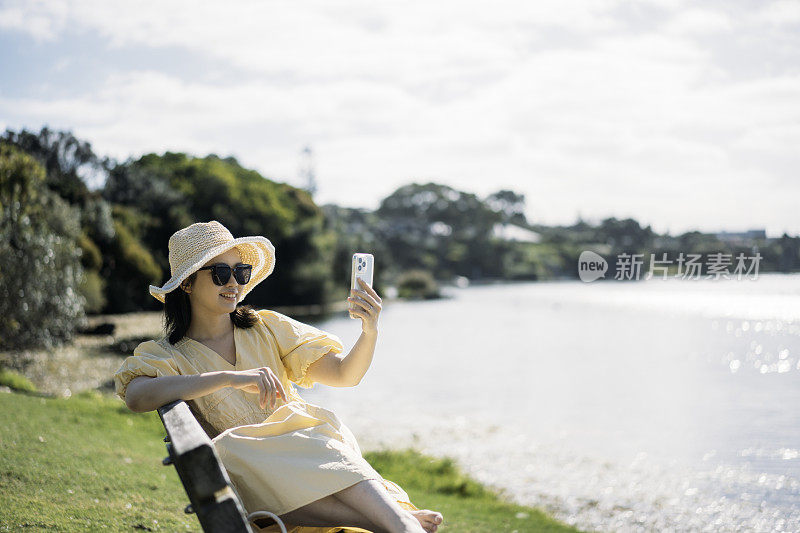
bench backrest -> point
(206, 482)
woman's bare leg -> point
(429, 520)
(371, 499)
(329, 511)
(366, 505)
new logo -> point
(591, 266)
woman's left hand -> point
(368, 306)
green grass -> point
(87, 463)
(15, 380)
(83, 464)
(467, 506)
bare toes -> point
(434, 516)
(428, 519)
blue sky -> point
(682, 115)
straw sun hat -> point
(193, 246)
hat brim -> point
(257, 251)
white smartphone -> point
(362, 269)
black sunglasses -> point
(221, 273)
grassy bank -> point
(88, 463)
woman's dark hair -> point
(178, 313)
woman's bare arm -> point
(146, 393)
(335, 370)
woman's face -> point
(204, 294)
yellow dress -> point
(277, 460)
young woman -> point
(237, 367)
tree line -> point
(67, 249)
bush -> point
(129, 268)
(92, 288)
(15, 381)
(417, 284)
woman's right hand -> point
(261, 381)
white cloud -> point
(564, 101)
(33, 18)
(779, 13)
(699, 22)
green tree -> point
(626, 235)
(435, 227)
(40, 268)
(67, 161)
(509, 205)
(173, 190)
(357, 230)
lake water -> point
(616, 406)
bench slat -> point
(201, 471)
(224, 516)
(193, 453)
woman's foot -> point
(429, 520)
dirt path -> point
(87, 362)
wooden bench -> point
(207, 484)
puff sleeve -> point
(299, 344)
(148, 359)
